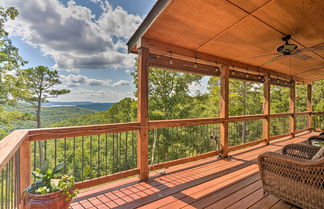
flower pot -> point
(53, 200)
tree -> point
(38, 85)
(9, 61)
(169, 93)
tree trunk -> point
(40, 144)
(244, 112)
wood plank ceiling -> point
(240, 30)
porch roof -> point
(236, 31)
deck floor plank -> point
(208, 183)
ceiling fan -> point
(289, 49)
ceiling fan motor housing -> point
(287, 49)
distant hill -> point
(88, 105)
(122, 111)
(49, 115)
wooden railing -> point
(113, 149)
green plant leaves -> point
(58, 168)
(48, 181)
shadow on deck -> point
(208, 183)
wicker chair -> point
(293, 177)
(316, 138)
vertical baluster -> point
(205, 138)
(45, 150)
(184, 153)
(209, 130)
(17, 192)
(74, 147)
(34, 155)
(206, 131)
(64, 156)
(6, 188)
(90, 156)
(2, 188)
(55, 152)
(98, 169)
(82, 158)
(12, 183)
(120, 152)
(113, 153)
(126, 156)
(212, 140)
(172, 143)
(133, 151)
(106, 155)
(159, 142)
(117, 151)
(180, 148)
(193, 141)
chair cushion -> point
(319, 154)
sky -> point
(84, 40)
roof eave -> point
(148, 20)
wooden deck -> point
(208, 183)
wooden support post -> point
(292, 120)
(224, 93)
(266, 109)
(142, 114)
(309, 107)
(24, 167)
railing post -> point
(24, 168)
(266, 109)
(224, 92)
(292, 120)
(142, 115)
(309, 107)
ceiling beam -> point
(178, 65)
(164, 49)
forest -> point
(171, 96)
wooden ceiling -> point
(240, 30)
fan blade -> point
(273, 59)
(312, 48)
(265, 55)
(301, 56)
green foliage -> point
(9, 61)
(245, 98)
(169, 93)
(279, 99)
(38, 84)
(318, 96)
(301, 98)
(49, 181)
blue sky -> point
(85, 40)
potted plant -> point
(50, 190)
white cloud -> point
(72, 35)
(73, 81)
(104, 95)
(121, 83)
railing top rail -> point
(10, 144)
(75, 131)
